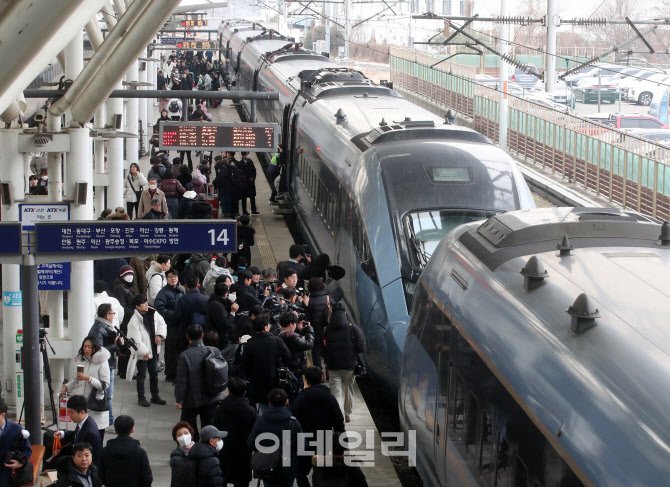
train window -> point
(418, 320)
(486, 465)
(431, 338)
(503, 472)
(471, 420)
(520, 473)
(457, 409)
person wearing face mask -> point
(182, 434)
(124, 293)
(44, 178)
(152, 193)
(206, 455)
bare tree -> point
(616, 10)
(532, 35)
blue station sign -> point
(113, 238)
(10, 243)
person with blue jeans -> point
(104, 331)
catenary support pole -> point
(32, 382)
(115, 154)
(142, 105)
(503, 100)
(550, 55)
(347, 27)
(132, 154)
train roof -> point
(584, 348)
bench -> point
(36, 460)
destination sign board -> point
(88, 238)
(250, 137)
(10, 243)
(197, 45)
(193, 23)
(176, 40)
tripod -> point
(44, 341)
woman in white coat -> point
(135, 183)
(95, 361)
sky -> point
(566, 8)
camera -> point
(301, 317)
(40, 115)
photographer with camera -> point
(297, 255)
(246, 297)
(103, 330)
(10, 440)
(296, 300)
(298, 337)
(220, 315)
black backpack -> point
(174, 106)
(239, 179)
(214, 373)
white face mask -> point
(44, 178)
(152, 186)
(128, 279)
(219, 445)
(184, 440)
(232, 297)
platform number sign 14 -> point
(222, 237)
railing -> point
(630, 171)
(51, 73)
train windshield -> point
(426, 228)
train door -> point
(443, 394)
(292, 158)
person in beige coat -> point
(147, 195)
(95, 361)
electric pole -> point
(550, 55)
(504, 49)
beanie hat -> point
(125, 270)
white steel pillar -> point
(80, 304)
(115, 154)
(133, 116)
(550, 55)
(504, 72)
(11, 169)
(347, 27)
(143, 104)
(99, 161)
(74, 61)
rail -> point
(630, 171)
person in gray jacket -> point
(190, 395)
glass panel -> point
(458, 408)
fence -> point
(630, 171)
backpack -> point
(184, 472)
(174, 106)
(268, 466)
(214, 373)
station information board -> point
(250, 137)
(193, 23)
(86, 238)
(10, 243)
(197, 45)
(176, 40)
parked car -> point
(624, 121)
(587, 89)
(524, 79)
(562, 93)
(642, 90)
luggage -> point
(214, 201)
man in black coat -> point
(246, 296)
(317, 410)
(299, 338)
(166, 303)
(236, 416)
(86, 430)
(246, 165)
(124, 463)
(77, 470)
(218, 317)
(263, 354)
(223, 183)
(191, 309)
(297, 255)
(10, 436)
(344, 342)
(189, 391)
(205, 454)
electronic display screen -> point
(250, 137)
(197, 45)
(193, 23)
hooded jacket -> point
(208, 469)
(103, 297)
(185, 203)
(318, 303)
(219, 319)
(70, 476)
(172, 188)
(104, 331)
(317, 409)
(166, 302)
(343, 342)
(263, 354)
(275, 421)
(210, 278)
(155, 281)
(236, 416)
(98, 368)
(125, 463)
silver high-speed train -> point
(375, 180)
(534, 361)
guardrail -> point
(630, 171)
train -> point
(538, 351)
(374, 180)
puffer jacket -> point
(189, 389)
(198, 186)
(157, 171)
(155, 281)
(138, 183)
(344, 342)
(219, 319)
(318, 303)
(201, 210)
(298, 345)
(172, 188)
(276, 421)
(166, 302)
(98, 368)
(142, 336)
(208, 468)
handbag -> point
(98, 405)
(138, 194)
